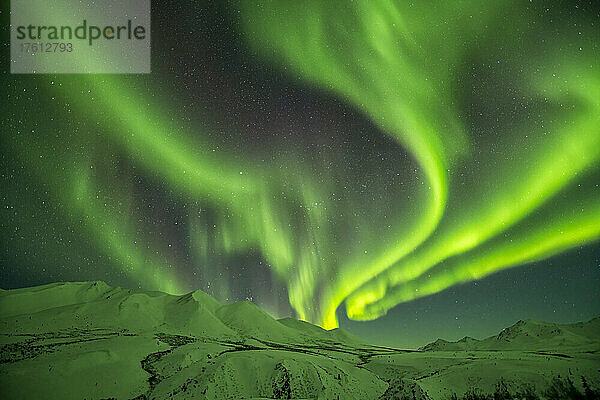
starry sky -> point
(406, 172)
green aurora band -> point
(459, 216)
(381, 57)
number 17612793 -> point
(46, 47)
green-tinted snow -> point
(88, 340)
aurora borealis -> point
(313, 155)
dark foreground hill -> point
(87, 340)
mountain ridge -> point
(528, 334)
(91, 340)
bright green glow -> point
(402, 65)
(573, 148)
(378, 56)
(530, 241)
(386, 78)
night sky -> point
(407, 172)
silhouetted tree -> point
(559, 389)
(502, 392)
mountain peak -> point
(530, 334)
